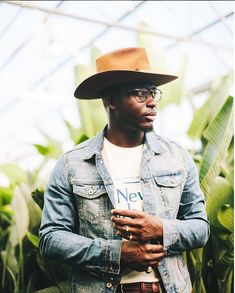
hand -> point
(141, 226)
(140, 256)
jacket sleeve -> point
(191, 228)
(59, 239)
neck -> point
(124, 138)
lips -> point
(151, 116)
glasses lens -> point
(143, 94)
(156, 94)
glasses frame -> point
(153, 91)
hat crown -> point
(134, 59)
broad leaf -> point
(174, 91)
(218, 134)
(205, 114)
(92, 113)
(20, 219)
(6, 194)
(34, 239)
(14, 173)
(51, 149)
(221, 196)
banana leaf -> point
(205, 114)
(173, 92)
(220, 211)
(92, 113)
(218, 135)
(14, 173)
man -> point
(123, 206)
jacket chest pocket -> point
(92, 202)
(170, 189)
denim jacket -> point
(76, 226)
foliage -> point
(92, 113)
(212, 266)
(22, 267)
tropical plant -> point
(22, 267)
(212, 266)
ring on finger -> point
(130, 236)
(148, 270)
(127, 228)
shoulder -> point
(165, 144)
(171, 148)
(81, 147)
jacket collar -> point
(152, 141)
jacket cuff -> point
(113, 256)
(170, 235)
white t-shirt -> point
(123, 165)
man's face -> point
(136, 107)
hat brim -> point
(90, 88)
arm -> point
(191, 228)
(58, 232)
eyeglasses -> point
(142, 94)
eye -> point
(143, 92)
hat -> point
(121, 66)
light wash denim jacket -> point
(76, 226)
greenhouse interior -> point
(47, 49)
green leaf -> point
(62, 287)
(92, 114)
(218, 134)
(33, 210)
(226, 217)
(82, 138)
(51, 149)
(14, 173)
(38, 197)
(205, 114)
(173, 92)
(20, 222)
(7, 210)
(74, 132)
(10, 264)
(34, 239)
(221, 194)
(43, 150)
(6, 194)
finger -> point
(123, 221)
(155, 248)
(127, 213)
(154, 264)
(127, 236)
(156, 257)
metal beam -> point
(89, 19)
(120, 26)
(88, 44)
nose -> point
(150, 102)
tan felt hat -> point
(126, 65)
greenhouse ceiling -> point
(42, 42)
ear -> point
(111, 102)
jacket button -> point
(109, 285)
(91, 191)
